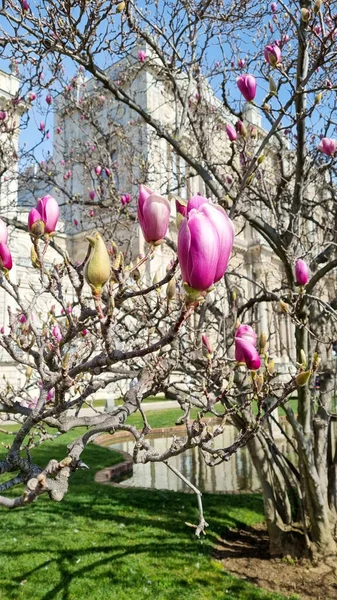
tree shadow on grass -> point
(127, 523)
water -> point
(236, 475)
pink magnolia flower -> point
(273, 7)
(5, 257)
(207, 349)
(247, 86)
(241, 63)
(92, 194)
(125, 199)
(84, 332)
(75, 222)
(92, 213)
(43, 218)
(181, 211)
(181, 208)
(32, 96)
(2, 330)
(205, 241)
(24, 4)
(49, 99)
(56, 332)
(3, 232)
(328, 146)
(301, 272)
(245, 347)
(141, 56)
(3, 115)
(153, 214)
(107, 172)
(246, 332)
(42, 126)
(98, 170)
(58, 130)
(273, 55)
(231, 132)
(241, 127)
(50, 395)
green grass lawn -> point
(104, 542)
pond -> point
(238, 474)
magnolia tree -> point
(269, 167)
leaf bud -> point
(263, 344)
(34, 258)
(303, 358)
(259, 381)
(303, 378)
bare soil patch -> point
(245, 553)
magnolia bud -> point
(303, 378)
(97, 269)
(118, 263)
(318, 98)
(284, 306)
(207, 349)
(155, 280)
(120, 7)
(305, 15)
(262, 343)
(315, 361)
(171, 290)
(271, 366)
(29, 372)
(317, 6)
(272, 86)
(260, 159)
(136, 274)
(259, 381)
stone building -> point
(131, 154)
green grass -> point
(159, 418)
(167, 417)
(103, 542)
(148, 400)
